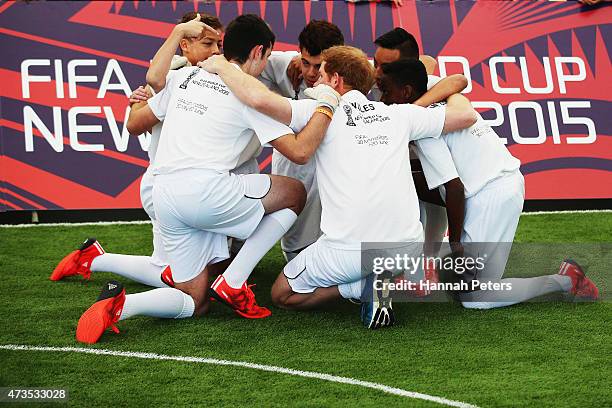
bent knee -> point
(280, 295)
(298, 196)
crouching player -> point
(363, 173)
(494, 194)
(198, 37)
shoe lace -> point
(250, 301)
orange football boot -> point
(102, 314)
(78, 262)
(242, 300)
(582, 286)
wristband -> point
(325, 112)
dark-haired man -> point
(198, 203)
(317, 36)
(399, 44)
(361, 171)
(494, 195)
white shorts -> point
(492, 216)
(198, 209)
(307, 228)
(321, 266)
(248, 167)
(159, 256)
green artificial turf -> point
(553, 353)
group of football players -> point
(353, 143)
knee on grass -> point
(280, 297)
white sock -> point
(167, 303)
(136, 268)
(522, 290)
(352, 290)
(271, 228)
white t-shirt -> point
(205, 125)
(274, 76)
(476, 155)
(363, 172)
(156, 130)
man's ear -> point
(408, 93)
(184, 43)
(256, 53)
(336, 80)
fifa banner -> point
(538, 71)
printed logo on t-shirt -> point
(186, 81)
(349, 111)
(437, 104)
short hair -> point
(319, 35)
(212, 21)
(399, 39)
(243, 33)
(407, 72)
(352, 65)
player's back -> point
(479, 155)
(205, 125)
(364, 173)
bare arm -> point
(429, 62)
(160, 65)
(423, 192)
(455, 208)
(446, 87)
(459, 114)
(249, 90)
(141, 120)
(301, 147)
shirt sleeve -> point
(437, 162)
(160, 101)
(417, 122)
(301, 112)
(432, 80)
(275, 72)
(266, 128)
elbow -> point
(469, 118)
(460, 82)
(300, 158)
(156, 83)
(132, 127)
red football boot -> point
(78, 262)
(241, 300)
(431, 277)
(166, 277)
(102, 314)
(582, 286)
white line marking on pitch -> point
(103, 223)
(262, 367)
